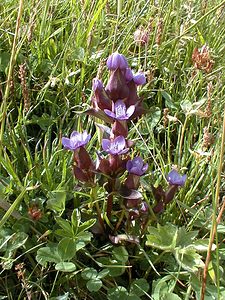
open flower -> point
(76, 140)
(174, 178)
(120, 111)
(117, 61)
(136, 166)
(116, 146)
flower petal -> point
(105, 144)
(66, 143)
(120, 141)
(130, 111)
(110, 113)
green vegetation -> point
(50, 51)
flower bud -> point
(117, 61)
(139, 79)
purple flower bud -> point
(120, 111)
(116, 146)
(116, 87)
(174, 178)
(117, 61)
(139, 79)
(128, 74)
(136, 166)
(97, 84)
(76, 140)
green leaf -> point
(4, 61)
(67, 248)
(94, 285)
(160, 287)
(171, 296)
(45, 121)
(118, 293)
(63, 297)
(65, 225)
(120, 254)
(84, 236)
(80, 245)
(139, 287)
(78, 53)
(89, 273)
(75, 219)
(65, 266)
(154, 116)
(16, 240)
(48, 254)
(116, 268)
(57, 201)
(168, 100)
(86, 225)
(162, 237)
(202, 245)
(185, 238)
(103, 273)
(188, 259)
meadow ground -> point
(112, 232)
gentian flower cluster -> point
(116, 104)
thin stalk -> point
(119, 7)
(182, 137)
(120, 220)
(10, 72)
(94, 200)
(216, 205)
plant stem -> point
(182, 138)
(109, 205)
(120, 220)
(94, 199)
(216, 205)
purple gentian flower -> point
(120, 111)
(136, 166)
(116, 146)
(139, 79)
(174, 178)
(76, 140)
(117, 61)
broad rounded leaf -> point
(94, 285)
(65, 266)
(67, 248)
(89, 273)
(120, 254)
(139, 287)
(48, 254)
(118, 293)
